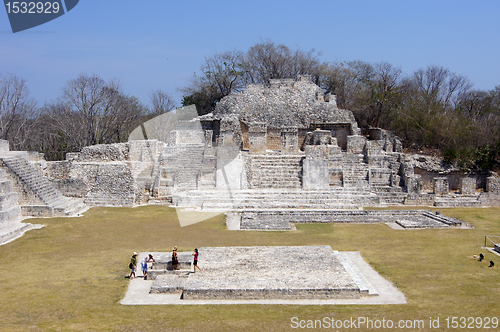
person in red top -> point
(195, 263)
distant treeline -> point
(432, 108)
(90, 111)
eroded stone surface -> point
(294, 272)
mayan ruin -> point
(267, 156)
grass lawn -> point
(70, 275)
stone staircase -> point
(390, 195)
(355, 171)
(46, 200)
(341, 198)
(451, 201)
(179, 170)
(276, 171)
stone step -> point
(457, 202)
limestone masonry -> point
(315, 272)
(284, 152)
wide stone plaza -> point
(276, 274)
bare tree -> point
(220, 75)
(161, 101)
(230, 71)
(338, 79)
(93, 111)
(17, 110)
(265, 61)
(385, 91)
(437, 86)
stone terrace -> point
(312, 272)
(281, 219)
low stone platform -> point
(140, 291)
(281, 219)
(311, 272)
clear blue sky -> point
(153, 44)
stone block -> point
(143, 150)
(321, 137)
(413, 184)
(374, 147)
(289, 140)
(441, 186)
(39, 211)
(468, 186)
(196, 136)
(114, 186)
(4, 145)
(229, 168)
(104, 153)
(493, 184)
(415, 199)
(257, 137)
(233, 221)
(315, 174)
(322, 151)
(355, 144)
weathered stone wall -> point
(113, 186)
(285, 103)
(104, 153)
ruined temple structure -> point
(285, 148)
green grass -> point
(70, 275)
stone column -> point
(289, 140)
(441, 186)
(413, 184)
(493, 185)
(315, 168)
(257, 137)
(226, 134)
(468, 186)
